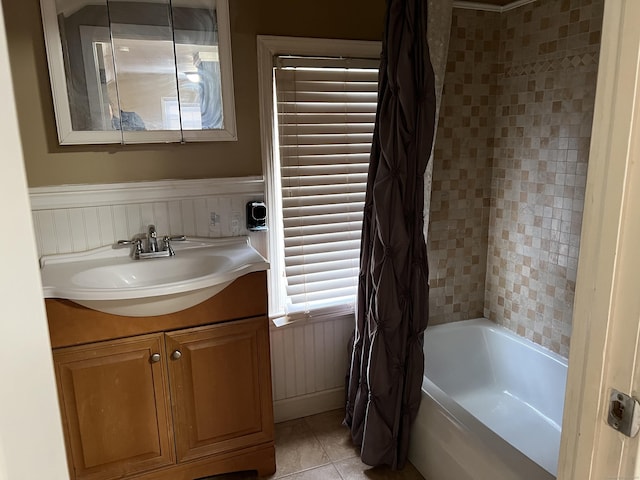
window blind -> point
(325, 114)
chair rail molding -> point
(97, 195)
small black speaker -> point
(256, 216)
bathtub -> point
(491, 406)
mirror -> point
(140, 71)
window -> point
(172, 115)
(323, 115)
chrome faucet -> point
(152, 249)
(152, 239)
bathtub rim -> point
(502, 330)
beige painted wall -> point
(31, 438)
(48, 163)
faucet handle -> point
(167, 239)
(126, 243)
(136, 243)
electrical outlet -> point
(215, 227)
(235, 223)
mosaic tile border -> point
(551, 65)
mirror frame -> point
(68, 136)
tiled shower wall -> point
(541, 83)
(543, 130)
(459, 213)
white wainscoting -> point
(79, 217)
(308, 359)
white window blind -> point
(325, 115)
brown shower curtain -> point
(385, 376)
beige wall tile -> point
(510, 166)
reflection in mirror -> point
(83, 24)
(139, 71)
(145, 67)
(198, 64)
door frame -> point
(607, 303)
(31, 440)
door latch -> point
(624, 413)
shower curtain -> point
(383, 392)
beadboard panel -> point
(309, 362)
(76, 218)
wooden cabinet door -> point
(220, 387)
(115, 407)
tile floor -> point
(320, 448)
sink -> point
(110, 281)
(147, 273)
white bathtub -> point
(491, 406)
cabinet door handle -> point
(176, 355)
(155, 358)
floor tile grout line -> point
(333, 462)
(313, 432)
(288, 475)
(321, 444)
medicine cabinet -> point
(140, 71)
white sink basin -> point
(110, 281)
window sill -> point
(318, 315)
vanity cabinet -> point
(179, 396)
(220, 368)
(115, 406)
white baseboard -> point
(305, 405)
